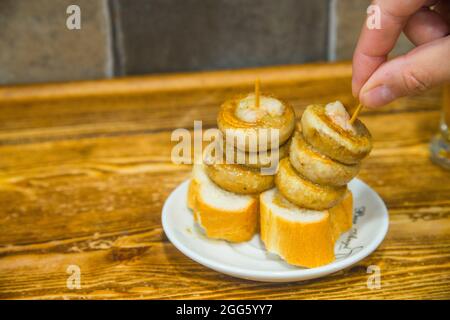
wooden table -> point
(85, 169)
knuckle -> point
(415, 80)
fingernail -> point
(377, 97)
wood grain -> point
(85, 169)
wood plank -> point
(410, 269)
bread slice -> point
(222, 214)
(302, 237)
(192, 191)
(192, 196)
(198, 176)
(341, 216)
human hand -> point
(377, 81)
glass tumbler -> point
(440, 145)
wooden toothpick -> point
(257, 92)
(355, 114)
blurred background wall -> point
(133, 37)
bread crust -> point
(331, 140)
(229, 124)
(319, 168)
(303, 192)
(234, 225)
(305, 244)
(239, 179)
(341, 215)
(192, 191)
(192, 197)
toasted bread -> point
(341, 216)
(302, 237)
(222, 214)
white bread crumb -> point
(217, 197)
(289, 210)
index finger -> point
(374, 44)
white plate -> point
(250, 260)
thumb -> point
(424, 67)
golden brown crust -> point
(306, 244)
(192, 190)
(341, 216)
(317, 167)
(192, 197)
(331, 140)
(226, 225)
(303, 192)
(238, 178)
(228, 123)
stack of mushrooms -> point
(225, 196)
(301, 209)
(324, 155)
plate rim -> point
(270, 276)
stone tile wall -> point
(129, 37)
